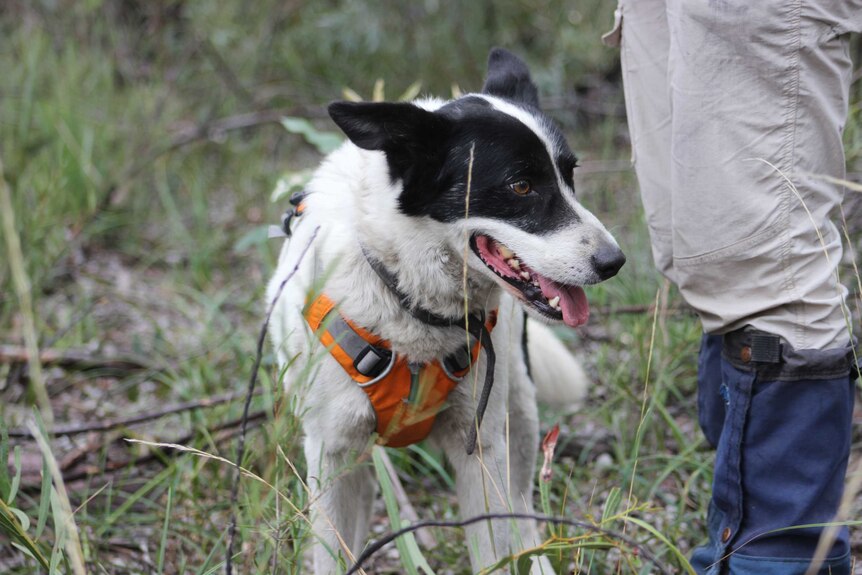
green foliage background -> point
(141, 142)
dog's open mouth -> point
(566, 303)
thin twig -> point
(234, 493)
(109, 424)
(224, 70)
(373, 548)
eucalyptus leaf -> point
(323, 141)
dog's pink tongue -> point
(573, 301)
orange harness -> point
(406, 397)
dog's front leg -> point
(342, 495)
(482, 479)
(523, 447)
(479, 483)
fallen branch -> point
(73, 359)
(88, 471)
(408, 512)
(109, 424)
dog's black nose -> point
(607, 261)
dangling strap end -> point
(481, 334)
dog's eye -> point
(521, 187)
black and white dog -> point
(435, 211)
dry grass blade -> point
(70, 529)
(22, 289)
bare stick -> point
(114, 466)
(425, 537)
(109, 424)
(228, 566)
(72, 359)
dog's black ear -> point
(509, 78)
(387, 127)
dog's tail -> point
(561, 382)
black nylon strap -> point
(480, 332)
(420, 313)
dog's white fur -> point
(353, 201)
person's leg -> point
(758, 94)
(758, 99)
(741, 83)
(642, 34)
(712, 394)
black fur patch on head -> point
(406, 133)
(429, 152)
(505, 152)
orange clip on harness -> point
(406, 397)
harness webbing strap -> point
(406, 397)
(340, 336)
(472, 324)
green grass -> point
(135, 244)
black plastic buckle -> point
(297, 197)
(458, 361)
(371, 361)
(765, 348)
(294, 212)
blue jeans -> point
(780, 421)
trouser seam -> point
(735, 522)
(794, 33)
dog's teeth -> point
(504, 251)
(536, 282)
(525, 275)
(514, 264)
(554, 302)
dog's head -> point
(526, 229)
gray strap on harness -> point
(369, 360)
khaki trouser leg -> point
(732, 106)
